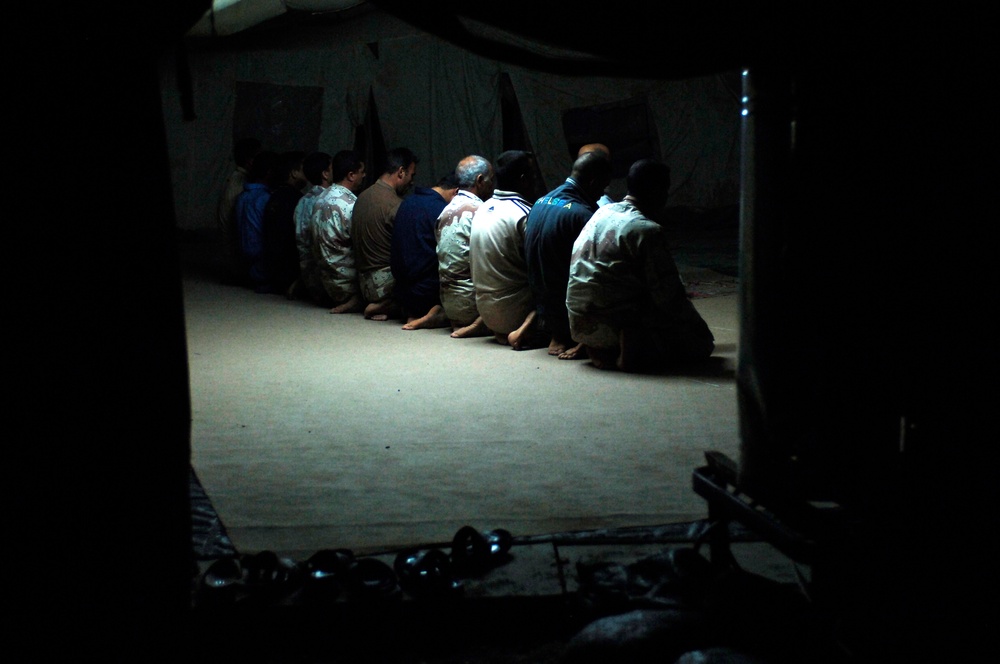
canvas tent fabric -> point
(324, 79)
(676, 39)
(228, 17)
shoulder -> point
(508, 204)
(338, 194)
(465, 201)
(382, 191)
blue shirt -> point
(250, 226)
(413, 256)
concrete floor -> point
(312, 430)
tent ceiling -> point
(629, 38)
(229, 17)
(691, 39)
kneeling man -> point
(626, 302)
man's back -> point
(413, 253)
(621, 263)
(303, 241)
(229, 235)
(498, 268)
(373, 219)
(250, 227)
(623, 277)
(332, 242)
(281, 256)
(552, 226)
(458, 295)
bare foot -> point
(577, 352)
(434, 318)
(502, 339)
(352, 305)
(629, 359)
(476, 329)
(603, 358)
(379, 310)
(525, 337)
(556, 347)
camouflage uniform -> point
(458, 295)
(303, 241)
(331, 242)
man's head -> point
(400, 169)
(289, 169)
(515, 171)
(592, 171)
(447, 186)
(649, 185)
(244, 150)
(317, 169)
(262, 169)
(348, 170)
(594, 147)
(475, 174)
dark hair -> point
(344, 162)
(313, 166)
(649, 181)
(513, 165)
(262, 169)
(245, 149)
(288, 162)
(448, 181)
(399, 158)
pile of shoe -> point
(432, 573)
(262, 577)
(330, 574)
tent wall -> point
(433, 97)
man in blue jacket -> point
(250, 219)
(553, 224)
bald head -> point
(475, 174)
(592, 171)
(593, 147)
